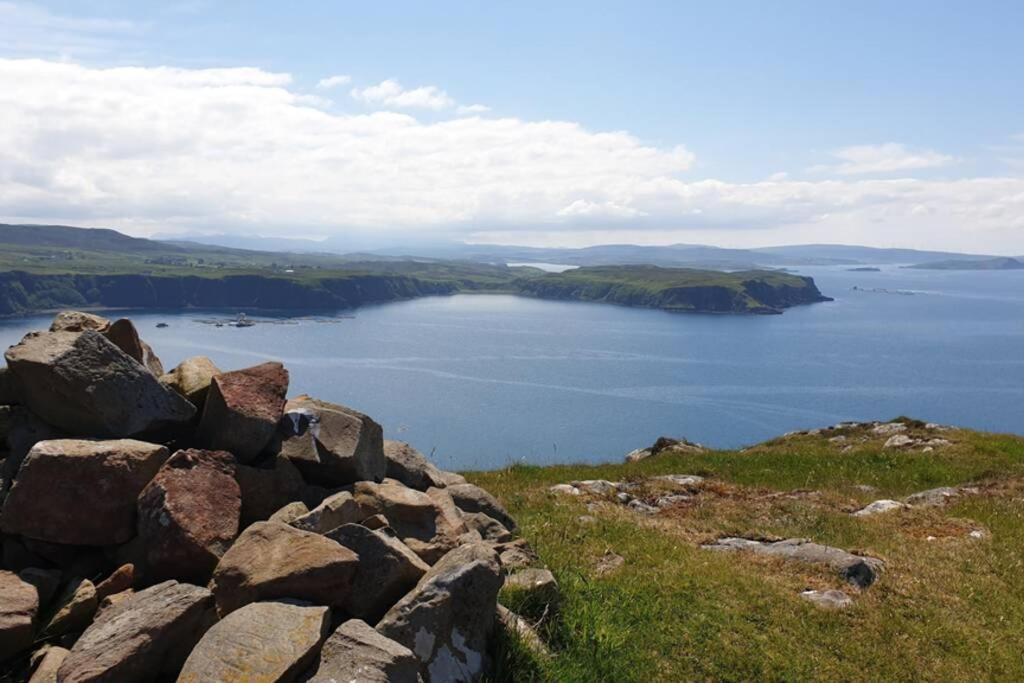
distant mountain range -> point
(679, 255)
(1000, 263)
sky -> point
(549, 124)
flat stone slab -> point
(831, 599)
(880, 506)
(263, 641)
(857, 569)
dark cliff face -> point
(22, 292)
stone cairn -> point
(198, 525)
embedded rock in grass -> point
(830, 599)
(145, 637)
(82, 383)
(125, 337)
(521, 630)
(857, 569)
(537, 585)
(271, 560)
(409, 466)
(191, 378)
(242, 410)
(387, 570)
(878, 507)
(263, 641)
(489, 528)
(19, 605)
(80, 492)
(430, 526)
(447, 619)
(330, 444)
(355, 652)
(932, 497)
(341, 508)
(899, 441)
(888, 429)
(471, 498)
(188, 515)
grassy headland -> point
(949, 604)
(46, 267)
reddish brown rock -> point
(243, 409)
(74, 608)
(143, 638)
(273, 560)
(82, 383)
(188, 515)
(332, 445)
(122, 579)
(125, 337)
(19, 604)
(80, 492)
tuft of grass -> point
(947, 606)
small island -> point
(1001, 263)
(864, 269)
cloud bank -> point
(242, 149)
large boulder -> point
(387, 570)
(356, 652)
(80, 492)
(264, 641)
(8, 388)
(267, 490)
(191, 378)
(242, 410)
(447, 619)
(188, 515)
(409, 466)
(430, 526)
(271, 560)
(472, 498)
(144, 637)
(82, 383)
(19, 605)
(332, 445)
(341, 508)
(125, 337)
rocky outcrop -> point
(82, 383)
(242, 410)
(330, 444)
(108, 542)
(80, 492)
(263, 641)
(447, 618)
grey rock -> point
(82, 383)
(489, 528)
(447, 619)
(426, 522)
(536, 584)
(270, 561)
(61, 479)
(124, 336)
(521, 630)
(830, 599)
(142, 638)
(357, 653)
(272, 642)
(899, 441)
(879, 507)
(387, 570)
(932, 497)
(332, 445)
(471, 498)
(857, 569)
(412, 468)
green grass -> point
(950, 608)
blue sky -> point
(747, 122)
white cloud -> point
(887, 158)
(390, 93)
(162, 149)
(471, 109)
(333, 81)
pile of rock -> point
(199, 524)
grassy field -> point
(949, 605)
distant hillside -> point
(66, 237)
(1001, 263)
